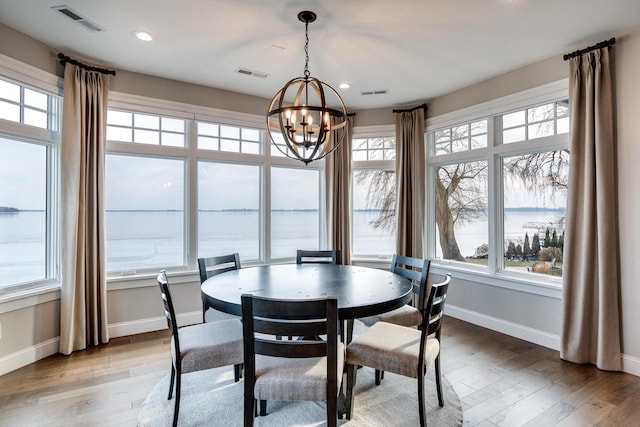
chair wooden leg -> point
(421, 403)
(237, 372)
(439, 382)
(332, 410)
(249, 410)
(263, 408)
(352, 371)
(176, 408)
(173, 377)
(379, 376)
(204, 311)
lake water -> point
(137, 240)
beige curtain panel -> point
(338, 195)
(591, 288)
(83, 306)
(410, 182)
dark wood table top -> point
(361, 291)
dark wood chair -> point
(402, 350)
(318, 257)
(212, 266)
(198, 347)
(291, 370)
(416, 270)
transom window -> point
(468, 136)
(125, 126)
(33, 107)
(219, 137)
(374, 149)
(536, 122)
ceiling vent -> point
(77, 18)
(252, 73)
(375, 92)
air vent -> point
(375, 92)
(248, 72)
(76, 17)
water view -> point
(154, 239)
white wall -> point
(30, 332)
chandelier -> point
(302, 121)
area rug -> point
(212, 398)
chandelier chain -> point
(306, 49)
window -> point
(373, 192)
(29, 142)
(144, 212)
(140, 128)
(515, 225)
(229, 209)
(295, 210)
(213, 136)
(182, 186)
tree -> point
(460, 189)
(459, 198)
(554, 239)
(547, 239)
(518, 250)
(561, 241)
(535, 245)
(511, 249)
(526, 248)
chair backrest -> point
(318, 257)
(416, 270)
(218, 264)
(302, 317)
(169, 312)
(434, 310)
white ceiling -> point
(415, 49)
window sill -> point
(19, 299)
(551, 287)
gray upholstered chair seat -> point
(210, 345)
(289, 379)
(391, 348)
(405, 316)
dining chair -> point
(212, 266)
(318, 257)
(291, 370)
(198, 347)
(417, 271)
(402, 350)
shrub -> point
(547, 254)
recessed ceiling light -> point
(143, 35)
(344, 85)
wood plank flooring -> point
(501, 381)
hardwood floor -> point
(501, 381)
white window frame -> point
(361, 132)
(23, 294)
(191, 154)
(531, 283)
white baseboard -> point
(631, 365)
(151, 324)
(28, 355)
(526, 333)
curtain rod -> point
(64, 59)
(408, 110)
(606, 43)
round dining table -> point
(361, 291)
